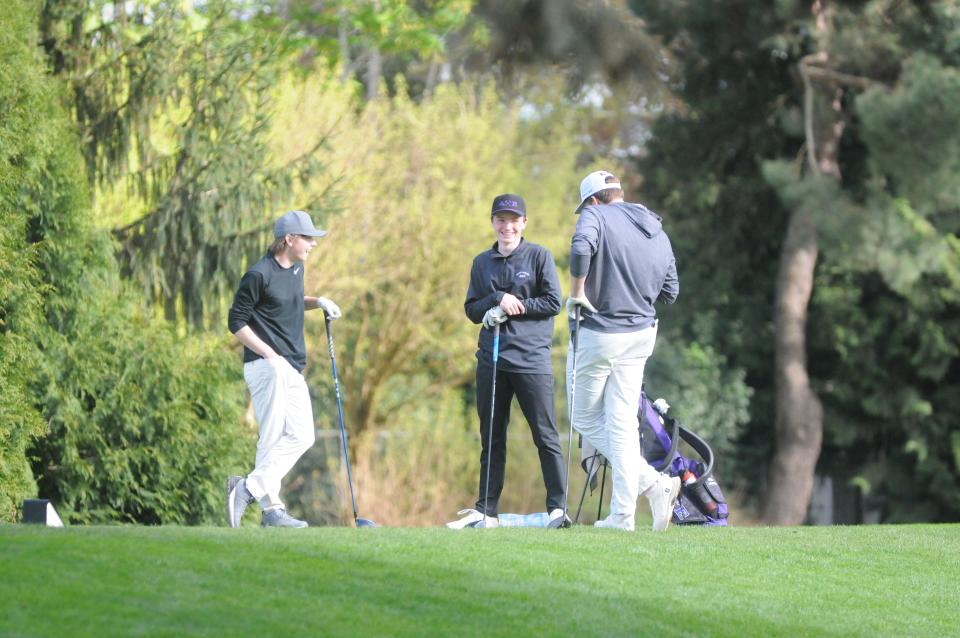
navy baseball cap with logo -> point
(296, 222)
(509, 203)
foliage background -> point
(145, 149)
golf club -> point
(586, 484)
(359, 522)
(603, 481)
(564, 521)
(493, 405)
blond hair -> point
(277, 246)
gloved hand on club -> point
(573, 302)
(493, 317)
(329, 308)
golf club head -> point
(365, 522)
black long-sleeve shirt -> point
(530, 275)
(270, 301)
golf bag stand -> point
(701, 500)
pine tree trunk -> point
(799, 416)
(799, 413)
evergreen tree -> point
(174, 102)
(809, 188)
(25, 138)
(117, 418)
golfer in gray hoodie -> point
(621, 263)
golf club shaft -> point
(586, 484)
(603, 482)
(493, 406)
(343, 430)
(573, 393)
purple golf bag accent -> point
(701, 500)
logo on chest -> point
(522, 275)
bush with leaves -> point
(143, 426)
(26, 137)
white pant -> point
(609, 381)
(282, 405)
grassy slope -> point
(902, 580)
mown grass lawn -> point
(171, 581)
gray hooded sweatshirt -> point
(629, 265)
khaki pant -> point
(609, 381)
(281, 403)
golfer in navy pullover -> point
(514, 284)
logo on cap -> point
(509, 203)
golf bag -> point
(701, 500)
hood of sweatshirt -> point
(642, 217)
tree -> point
(173, 103)
(104, 409)
(25, 139)
(370, 40)
(808, 140)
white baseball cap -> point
(594, 183)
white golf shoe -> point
(473, 518)
(558, 519)
(237, 499)
(663, 497)
(617, 521)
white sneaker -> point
(473, 518)
(617, 521)
(558, 519)
(663, 497)
(237, 499)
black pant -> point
(534, 393)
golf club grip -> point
(576, 329)
(326, 319)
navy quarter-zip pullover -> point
(530, 275)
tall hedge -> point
(143, 427)
(119, 418)
(24, 139)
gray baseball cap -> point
(296, 222)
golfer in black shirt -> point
(267, 318)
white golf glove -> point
(493, 317)
(329, 308)
(573, 302)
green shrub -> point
(24, 93)
(127, 421)
(143, 426)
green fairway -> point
(169, 581)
